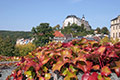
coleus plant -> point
(88, 56)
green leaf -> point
(45, 69)
(28, 73)
(107, 78)
(66, 53)
(72, 69)
(105, 71)
(75, 49)
(47, 76)
(65, 71)
(70, 75)
(100, 77)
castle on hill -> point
(70, 19)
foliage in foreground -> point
(95, 60)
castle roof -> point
(69, 16)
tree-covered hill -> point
(14, 35)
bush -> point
(106, 40)
(23, 50)
(95, 60)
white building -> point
(23, 41)
(115, 28)
(73, 19)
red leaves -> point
(68, 59)
(93, 76)
(105, 71)
(69, 44)
(87, 76)
(85, 67)
(19, 72)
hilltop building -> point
(74, 19)
(115, 28)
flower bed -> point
(95, 61)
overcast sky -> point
(22, 15)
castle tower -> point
(83, 18)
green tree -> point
(75, 30)
(57, 27)
(104, 30)
(43, 34)
(98, 30)
(6, 46)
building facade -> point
(115, 28)
(74, 19)
(23, 41)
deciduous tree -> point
(42, 33)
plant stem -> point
(100, 62)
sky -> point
(22, 15)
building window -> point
(113, 28)
(119, 34)
(113, 35)
(116, 27)
(119, 27)
(116, 35)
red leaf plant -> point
(96, 61)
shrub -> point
(95, 60)
(23, 50)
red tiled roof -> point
(58, 34)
